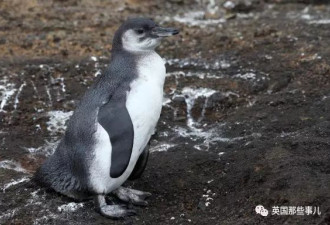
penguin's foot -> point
(112, 211)
(136, 197)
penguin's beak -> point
(164, 32)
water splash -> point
(45, 219)
(97, 66)
(323, 21)
(70, 207)
(35, 88)
(8, 215)
(55, 125)
(57, 120)
(229, 5)
(208, 197)
(193, 132)
(161, 147)
(18, 94)
(35, 198)
(209, 136)
(47, 149)
(214, 64)
(196, 18)
(246, 76)
(190, 96)
(61, 79)
(49, 96)
(198, 74)
(196, 131)
(6, 90)
(98, 73)
(12, 165)
(13, 183)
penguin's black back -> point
(68, 168)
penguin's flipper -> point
(112, 211)
(117, 122)
(133, 196)
(140, 164)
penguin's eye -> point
(139, 31)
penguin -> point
(106, 140)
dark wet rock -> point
(27, 44)
(264, 31)
(201, 205)
(322, 129)
(279, 84)
(179, 99)
(259, 86)
(177, 1)
(3, 41)
(216, 100)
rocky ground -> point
(246, 116)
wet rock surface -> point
(245, 119)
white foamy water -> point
(62, 84)
(197, 18)
(246, 76)
(200, 75)
(45, 219)
(70, 207)
(6, 90)
(166, 101)
(7, 215)
(209, 136)
(12, 165)
(195, 130)
(202, 63)
(35, 198)
(323, 21)
(47, 149)
(96, 65)
(191, 95)
(18, 94)
(35, 88)
(55, 125)
(229, 5)
(162, 147)
(57, 120)
(208, 197)
(98, 73)
(13, 183)
(49, 96)
(306, 17)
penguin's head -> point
(140, 34)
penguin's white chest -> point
(144, 100)
(144, 104)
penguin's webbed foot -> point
(112, 211)
(136, 197)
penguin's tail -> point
(39, 178)
(54, 175)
